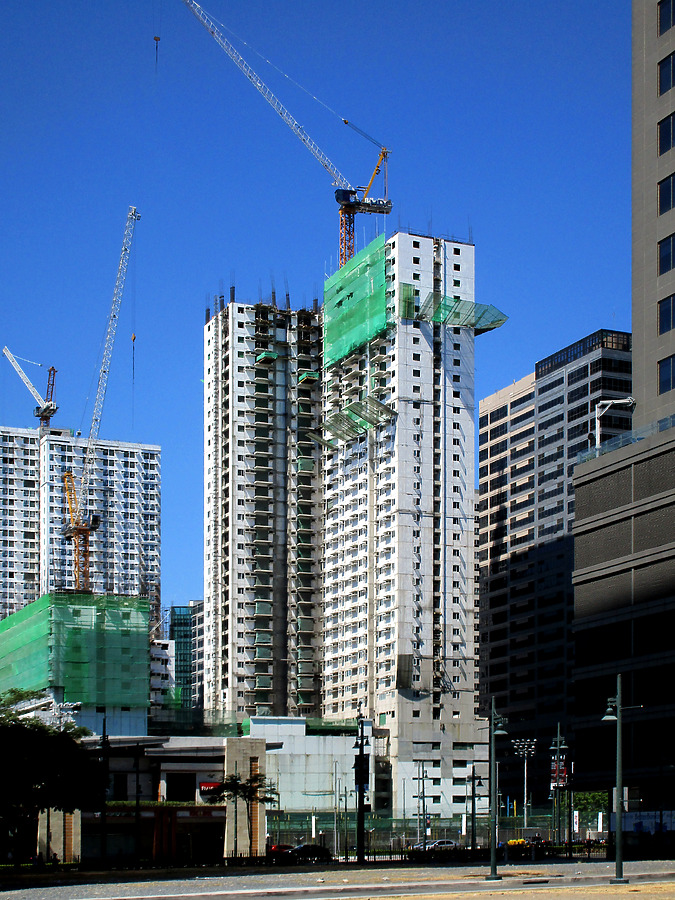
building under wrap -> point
(86, 649)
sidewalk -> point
(317, 881)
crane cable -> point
(293, 81)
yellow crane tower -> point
(82, 521)
(351, 200)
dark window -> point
(544, 388)
(666, 74)
(577, 393)
(498, 414)
(666, 134)
(578, 412)
(665, 16)
(611, 364)
(521, 401)
(666, 188)
(666, 314)
(498, 430)
(666, 256)
(577, 374)
(666, 374)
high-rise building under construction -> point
(124, 490)
(339, 507)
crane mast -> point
(46, 407)
(347, 196)
(81, 522)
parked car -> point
(441, 845)
(308, 853)
(275, 853)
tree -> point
(254, 789)
(43, 768)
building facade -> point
(398, 550)
(339, 573)
(262, 373)
(624, 574)
(530, 435)
(125, 490)
(653, 206)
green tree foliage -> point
(254, 789)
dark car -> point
(276, 852)
(308, 853)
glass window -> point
(666, 254)
(666, 188)
(666, 374)
(665, 16)
(666, 314)
(666, 134)
(666, 74)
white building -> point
(125, 490)
(398, 559)
(339, 570)
(257, 653)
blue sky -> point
(508, 123)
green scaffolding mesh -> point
(354, 303)
(94, 648)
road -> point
(546, 882)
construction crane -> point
(46, 408)
(82, 521)
(351, 200)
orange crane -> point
(82, 522)
(351, 200)
(46, 407)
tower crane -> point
(82, 521)
(46, 407)
(351, 200)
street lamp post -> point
(496, 728)
(613, 714)
(601, 408)
(361, 765)
(559, 779)
(524, 747)
(474, 784)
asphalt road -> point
(544, 882)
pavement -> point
(651, 878)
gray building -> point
(653, 291)
(530, 435)
(624, 534)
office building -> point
(125, 490)
(653, 174)
(624, 579)
(530, 435)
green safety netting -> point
(354, 303)
(94, 648)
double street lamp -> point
(497, 724)
(524, 747)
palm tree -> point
(254, 789)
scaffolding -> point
(92, 649)
(354, 304)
